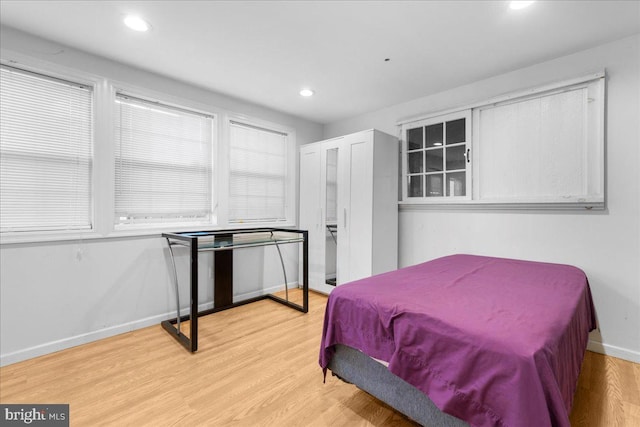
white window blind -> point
(46, 153)
(258, 174)
(163, 163)
(542, 149)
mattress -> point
(491, 341)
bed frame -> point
(355, 367)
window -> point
(437, 157)
(163, 164)
(46, 152)
(542, 148)
(82, 159)
(259, 177)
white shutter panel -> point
(535, 149)
(163, 163)
(46, 153)
(258, 174)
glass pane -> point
(331, 218)
(456, 184)
(415, 162)
(434, 185)
(414, 138)
(455, 157)
(434, 160)
(455, 131)
(415, 186)
(434, 135)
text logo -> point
(40, 415)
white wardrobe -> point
(349, 205)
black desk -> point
(223, 243)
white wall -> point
(606, 245)
(59, 294)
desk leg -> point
(193, 317)
(305, 272)
(223, 279)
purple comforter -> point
(495, 342)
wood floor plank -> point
(257, 365)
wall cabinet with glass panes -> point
(437, 161)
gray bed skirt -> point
(357, 368)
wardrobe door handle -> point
(345, 217)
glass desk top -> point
(232, 239)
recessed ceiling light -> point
(306, 92)
(136, 23)
(518, 4)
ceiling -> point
(266, 51)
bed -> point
(464, 340)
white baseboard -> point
(53, 346)
(612, 350)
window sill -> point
(501, 205)
(120, 233)
(48, 236)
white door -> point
(357, 209)
(311, 211)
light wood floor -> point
(256, 366)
